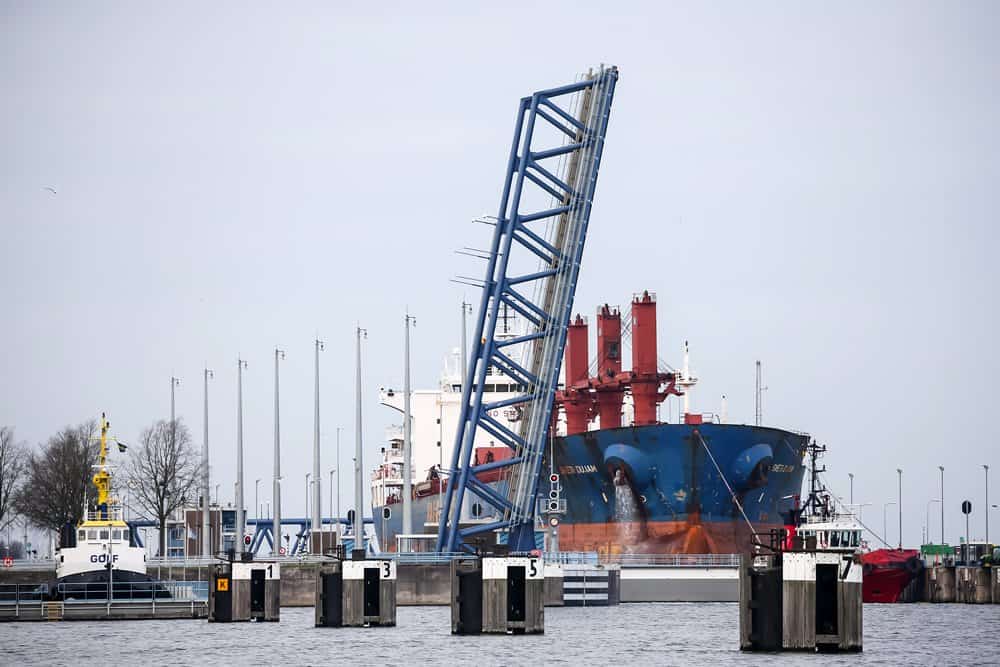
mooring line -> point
(736, 500)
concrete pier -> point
(968, 585)
(805, 600)
(369, 592)
(973, 585)
(939, 584)
(498, 596)
(244, 591)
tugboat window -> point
(81, 535)
(91, 534)
(103, 535)
(834, 538)
(124, 533)
(116, 535)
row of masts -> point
(582, 398)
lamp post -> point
(899, 506)
(276, 499)
(241, 514)
(206, 534)
(407, 435)
(317, 515)
(339, 429)
(333, 517)
(308, 491)
(885, 524)
(986, 469)
(174, 382)
(941, 468)
(851, 475)
(927, 517)
(256, 495)
(359, 542)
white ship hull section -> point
(91, 556)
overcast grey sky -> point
(814, 186)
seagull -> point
(50, 189)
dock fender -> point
(749, 469)
(636, 465)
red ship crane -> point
(576, 399)
(610, 383)
(646, 378)
(604, 394)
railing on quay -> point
(22, 593)
(138, 591)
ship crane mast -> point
(528, 232)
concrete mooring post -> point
(804, 600)
(356, 593)
(974, 585)
(498, 596)
(244, 591)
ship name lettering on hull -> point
(577, 470)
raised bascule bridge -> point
(532, 268)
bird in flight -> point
(50, 189)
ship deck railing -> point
(642, 560)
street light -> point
(986, 469)
(885, 525)
(256, 503)
(899, 506)
(927, 517)
(941, 468)
(308, 489)
(333, 517)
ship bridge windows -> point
(116, 535)
(91, 534)
(834, 538)
(81, 535)
(103, 534)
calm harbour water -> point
(661, 634)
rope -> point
(736, 500)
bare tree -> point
(163, 472)
(13, 462)
(57, 484)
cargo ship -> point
(616, 479)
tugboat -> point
(817, 520)
(102, 556)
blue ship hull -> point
(655, 489)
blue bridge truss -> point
(532, 269)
